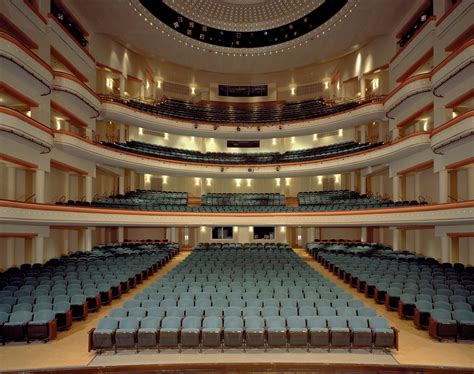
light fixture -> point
(197, 181)
(203, 228)
(208, 182)
(287, 181)
(293, 91)
(147, 85)
(28, 113)
(455, 114)
(250, 228)
(338, 85)
(320, 179)
(299, 237)
(186, 237)
(140, 131)
(192, 139)
(158, 84)
(315, 137)
(164, 178)
(249, 182)
(274, 141)
(292, 139)
(109, 82)
(337, 178)
(237, 182)
(166, 136)
(193, 90)
(341, 132)
(277, 182)
(425, 125)
(326, 85)
(58, 124)
(283, 229)
(236, 228)
(148, 178)
(375, 83)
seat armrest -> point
(90, 340)
(395, 333)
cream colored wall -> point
(241, 234)
(139, 233)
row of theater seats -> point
(247, 295)
(263, 158)
(37, 300)
(251, 114)
(438, 297)
(243, 203)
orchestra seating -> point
(243, 295)
(234, 114)
(437, 296)
(37, 300)
(309, 154)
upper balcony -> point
(262, 121)
(86, 149)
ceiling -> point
(129, 23)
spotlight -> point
(258, 128)
(238, 128)
(195, 125)
(215, 127)
(222, 169)
(277, 168)
(280, 127)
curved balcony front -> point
(115, 111)
(20, 127)
(456, 130)
(13, 212)
(18, 58)
(80, 147)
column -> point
(147, 182)
(87, 242)
(362, 88)
(363, 182)
(281, 145)
(311, 234)
(418, 248)
(203, 186)
(123, 82)
(66, 186)
(381, 234)
(396, 238)
(10, 247)
(88, 133)
(66, 248)
(11, 183)
(38, 255)
(88, 183)
(168, 234)
(417, 186)
(470, 183)
(186, 236)
(363, 134)
(39, 185)
(443, 186)
(174, 234)
(121, 185)
(353, 180)
(363, 234)
(132, 180)
(120, 234)
(122, 133)
(396, 187)
(381, 186)
(395, 133)
(445, 249)
(141, 181)
(299, 236)
(282, 186)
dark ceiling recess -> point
(243, 39)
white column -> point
(11, 183)
(353, 180)
(299, 236)
(381, 234)
(38, 249)
(88, 133)
(10, 247)
(141, 181)
(363, 134)
(174, 234)
(417, 185)
(66, 241)
(363, 234)
(311, 234)
(395, 133)
(418, 248)
(122, 133)
(147, 182)
(396, 238)
(443, 186)
(363, 182)
(132, 180)
(120, 234)
(186, 236)
(87, 242)
(445, 249)
(282, 186)
(121, 185)
(470, 183)
(123, 82)
(88, 183)
(66, 186)
(281, 145)
(203, 186)
(381, 187)
(396, 187)
(168, 234)
(362, 88)
(39, 185)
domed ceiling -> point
(242, 36)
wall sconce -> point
(277, 182)
(28, 113)
(375, 83)
(320, 179)
(164, 179)
(147, 85)
(293, 91)
(186, 237)
(58, 125)
(203, 228)
(197, 181)
(287, 181)
(158, 84)
(109, 82)
(208, 182)
(193, 90)
(274, 141)
(140, 131)
(292, 139)
(341, 132)
(337, 178)
(338, 86)
(237, 182)
(315, 137)
(148, 178)
(326, 85)
(283, 229)
(299, 237)
(249, 182)
(166, 136)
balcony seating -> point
(145, 200)
(261, 295)
(252, 114)
(38, 300)
(260, 158)
(434, 295)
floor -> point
(69, 349)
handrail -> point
(29, 197)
